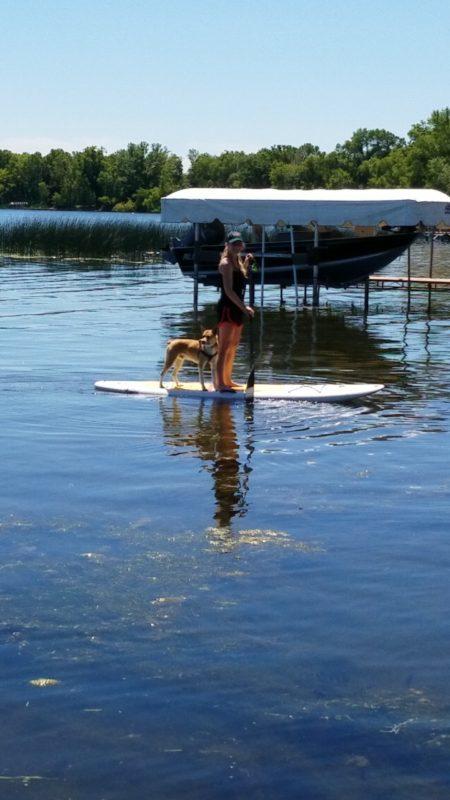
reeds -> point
(77, 238)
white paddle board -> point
(316, 392)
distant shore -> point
(135, 178)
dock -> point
(405, 282)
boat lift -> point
(266, 207)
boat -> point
(341, 261)
(276, 224)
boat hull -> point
(341, 262)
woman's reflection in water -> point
(209, 432)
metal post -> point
(263, 263)
(315, 301)
(196, 253)
(251, 287)
(251, 277)
(430, 270)
(316, 289)
(409, 278)
(305, 294)
(366, 296)
(294, 265)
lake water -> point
(233, 602)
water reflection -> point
(327, 345)
(110, 589)
(294, 345)
(208, 431)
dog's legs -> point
(179, 361)
(201, 378)
(169, 359)
(163, 372)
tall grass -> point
(76, 238)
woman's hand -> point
(249, 258)
(250, 311)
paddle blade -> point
(250, 386)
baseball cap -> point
(234, 236)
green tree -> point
(255, 170)
(364, 145)
(123, 172)
(136, 177)
(44, 194)
(138, 167)
(438, 174)
(338, 178)
(90, 164)
(25, 173)
(76, 191)
(148, 199)
(393, 171)
(171, 175)
(307, 174)
(56, 167)
(202, 171)
(429, 140)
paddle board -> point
(312, 392)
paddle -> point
(250, 385)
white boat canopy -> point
(299, 207)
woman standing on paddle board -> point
(231, 308)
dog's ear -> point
(215, 330)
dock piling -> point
(430, 270)
(263, 264)
(294, 265)
(409, 278)
(315, 300)
(196, 260)
(366, 296)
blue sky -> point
(220, 74)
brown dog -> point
(202, 352)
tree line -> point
(136, 177)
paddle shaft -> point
(250, 385)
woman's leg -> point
(225, 344)
(231, 355)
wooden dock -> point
(407, 282)
(402, 281)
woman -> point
(231, 308)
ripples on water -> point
(232, 601)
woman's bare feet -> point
(224, 388)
